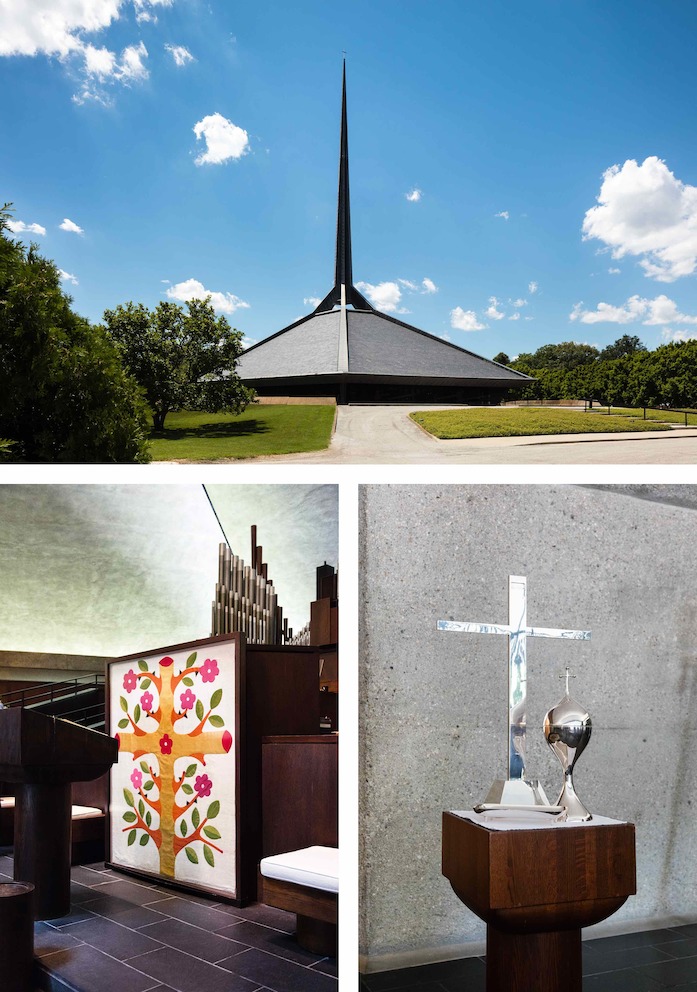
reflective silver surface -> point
(567, 730)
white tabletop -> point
(514, 821)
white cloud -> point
(248, 342)
(614, 272)
(312, 301)
(67, 277)
(465, 320)
(503, 213)
(19, 227)
(385, 296)
(69, 225)
(669, 336)
(514, 316)
(660, 310)
(520, 302)
(192, 289)
(529, 318)
(408, 284)
(224, 140)
(180, 54)
(643, 210)
(414, 195)
(428, 286)
(492, 311)
(532, 287)
(60, 29)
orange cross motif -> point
(167, 746)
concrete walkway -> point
(384, 435)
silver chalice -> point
(567, 730)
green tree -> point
(502, 358)
(567, 355)
(182, 359)
(64, 394)
(628, 344)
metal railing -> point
(50, 692)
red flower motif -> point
(130, 680)
(187, 700)
(136, 778)
(146, 702)
(166, 662)
(209, 670)
(203, 786)
(166, 743)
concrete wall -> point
(434, 705)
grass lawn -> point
(666, 416)
(518, 422)
(260, 430)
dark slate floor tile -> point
(278, 974)
(48, 940)
(76, 915)
(268, 916)
(680, 948)
(86, 969)
(328, 966)
(132, 892)
(274, 941)
(193, 940)
(97, 866)
(679, 971)
(598, 960)
(123, 912)
(466, 973)
(86, 876)
(114, 939)
(80, 894)
(621, 981)
(191, 912)
(683, 932)
(187, 974)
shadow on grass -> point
(246, 428)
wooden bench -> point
(87, 838)
(306, 883)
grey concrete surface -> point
(384, 435)
(617, 561)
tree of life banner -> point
(173, 796)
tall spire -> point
(343, 292)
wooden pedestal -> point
(536, 889)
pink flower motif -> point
(146, 702)
(203, 786)
(187, 700)
(130, 680)
(166, 743)
(136, 778)
(209, 670)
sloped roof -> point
(378, 345)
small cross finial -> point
(567, 676)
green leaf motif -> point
(191, 659)
(130, 816)
(191, 855)
(195, 817)
(131, 837)
(148, 786)
(145, 683)
(199, 709)
(211, 832)
(186, 788)
(123, 703)
(213, 810)
(141, 808)
(148, 818)
(128, 796)
(188, 680)
(143, 665)
(184, 828)
(144, 839)
(136, 713)
(208, 855)
(144, 767)
(216, 697)
(190, 770)
(123, 724)
(216, 721)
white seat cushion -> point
(79, 812)
(316, 867)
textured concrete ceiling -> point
(101, 569)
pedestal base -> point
(545, 962)
(316, 936)
(42, 845)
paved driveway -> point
(385, 435)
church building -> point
(347, 349)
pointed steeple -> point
(343, 292)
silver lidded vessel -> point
(567, 730)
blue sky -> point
(510, 120)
